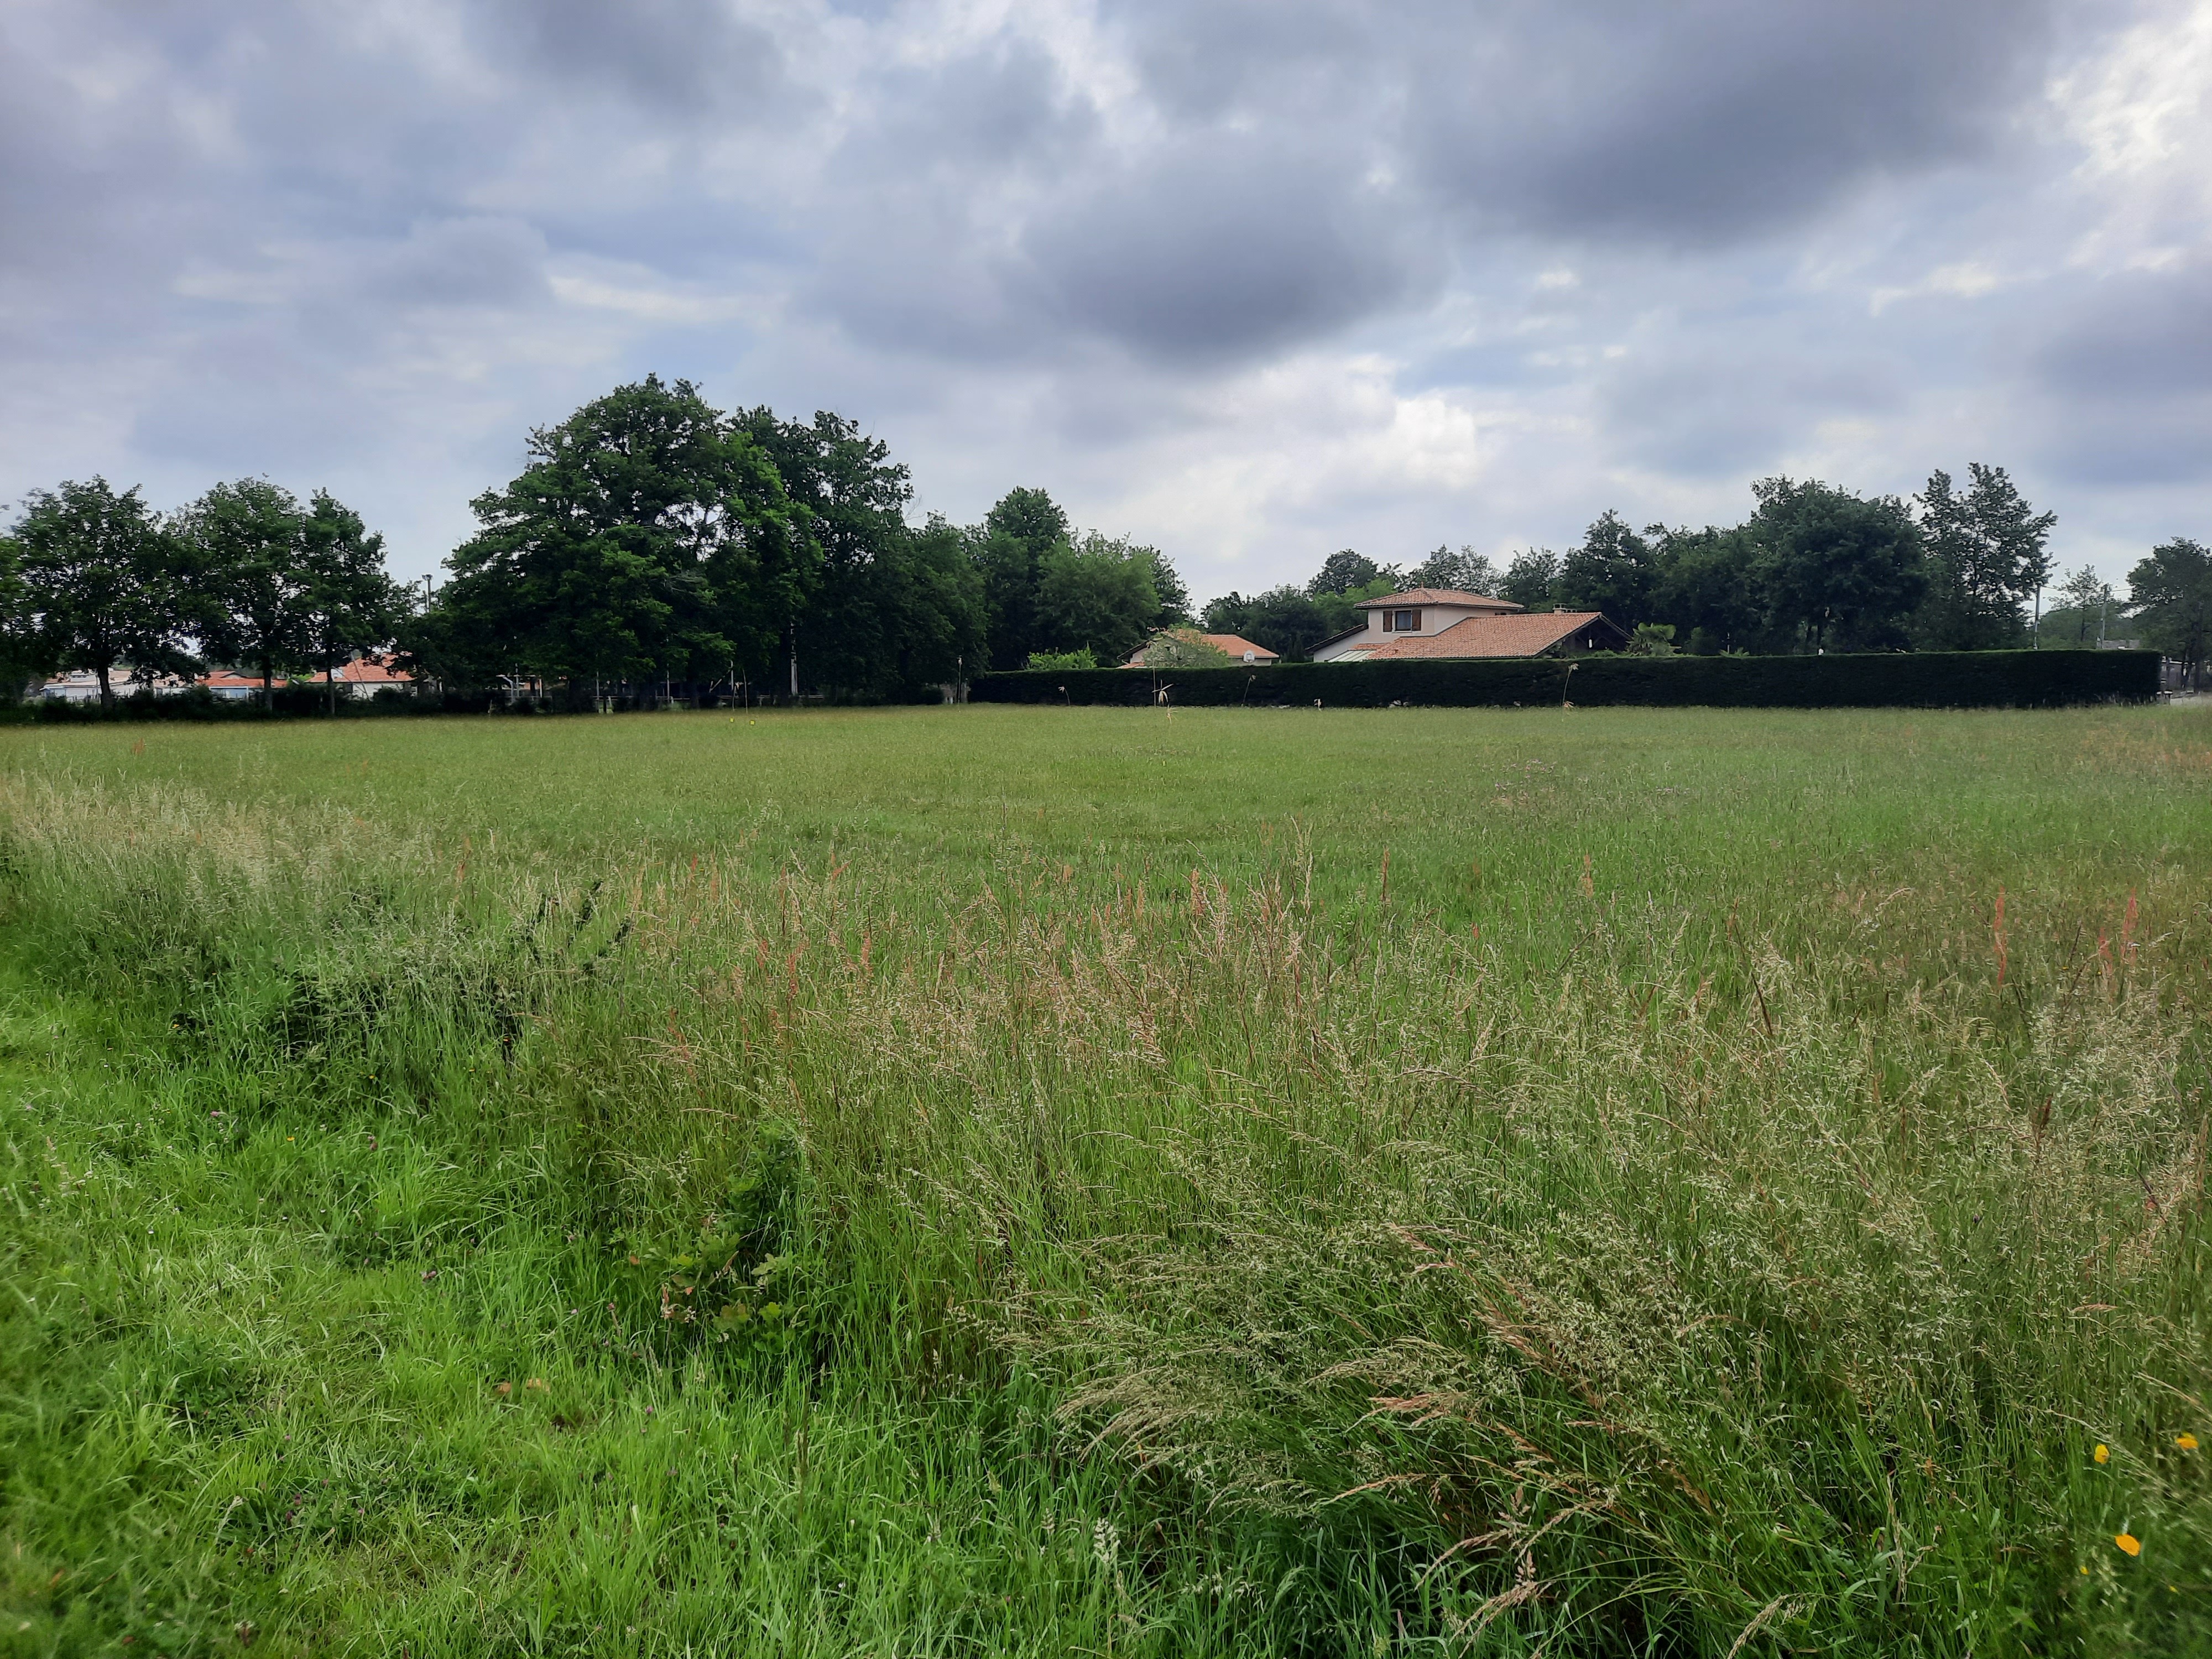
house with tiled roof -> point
(1235, 646)
(83, 685)
(1443, 624)
(236, 688)
(364, 677)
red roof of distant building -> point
(223, 680)
(1233, 645)
(1236, 645)
(368, 671)
(1526, 634)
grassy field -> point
(1014, 1181)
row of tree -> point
(650, 541)
(653, 538)
(92, 577)
(653, 541)
(1814, 568)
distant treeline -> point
(1813, 569)
(654, 544)
(92, 579)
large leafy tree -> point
(2171, 593)
(648, 536)
(1614, 570)
(942, 638)
(17, 655)
(1531, 580)
(1010, 548)
(1987, 554)
(1462, 569)
(895, 608)
(1839, 572)
(2087, 597)
(1174, 610)
(247, 546)
(1341, 572)
(1287, 620)
(100, 584)
(856, 497)
(1098, 594)
(1708, 589)
(348, 603)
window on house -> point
(1406, 622)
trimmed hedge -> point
(198, 707)
(1922, 679)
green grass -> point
(977, 1181)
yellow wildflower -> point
(2186, 1442)
(2128, 1543)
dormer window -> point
(1401, 622)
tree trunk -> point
(330, 677)
(106, 691)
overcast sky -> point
(1249, 279)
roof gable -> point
(1435, 596)
(1529, 633)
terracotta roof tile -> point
(1529, 634)
(1235, 645)
(368, 671)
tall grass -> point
(802, 1248)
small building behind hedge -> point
(1475, 639)
(1912, 679)
(1444, 624)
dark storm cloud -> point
(2142, 334)
(1295, 168)
(2130, 366)
(458, 262)
(1683, 124)
(1201, 63)
(1233, 250)
(1711, 120)
(1721, 411)
(90, 173)
(926, 195)
(670, 55)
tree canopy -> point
(650, 539)
(99, 582)
(649, 536)
(2172, 592)
(347, 603)
(1986, 559)
(1838, 572)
